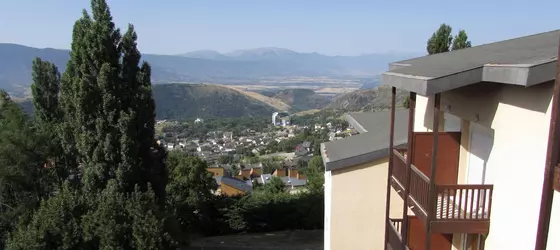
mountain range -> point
(206, 65)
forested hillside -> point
(374, 99)
(182, 101)
(302, 99)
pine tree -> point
(461, 41)
(440, 40)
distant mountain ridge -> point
(206, 65)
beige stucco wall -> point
(357, 210)
(520, 119)
(554, 230)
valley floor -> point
(281, 240)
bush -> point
(262, 212)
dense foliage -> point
(86, 172)
(262, 211)
(315, 173)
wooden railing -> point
(399, 166)
(419, 187)
(419, 182)
(395, 232)
(464, 202)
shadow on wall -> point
(479, 102)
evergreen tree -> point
(461, 41)
(107, 102)
(24, 180)
(45, 90)
(106, 135)
(440, 40)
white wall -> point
(520, 119)
(420, 113)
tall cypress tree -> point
(107, 102)
(45, 89)
(107, 132)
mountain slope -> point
(302, 99)
(375, 99)
(182, 101)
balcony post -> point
(432, 195)
(408, 168)
(552, 160)
(390, 170)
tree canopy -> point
(461, 41)
(442, 40)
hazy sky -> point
(344, 27)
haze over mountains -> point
(207, 65)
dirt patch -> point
(307, 112)
(285, 240)
(275, 103)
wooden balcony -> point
(395, 231)
(457, 209)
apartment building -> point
(481, 164)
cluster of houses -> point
(218, 143)
(243, 181)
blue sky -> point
(345, 27)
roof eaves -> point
(356, 160)
(521, 74)
(355, 124)
(417, 84)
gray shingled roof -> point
(371, 144)
(238, 184)
(514, 61)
